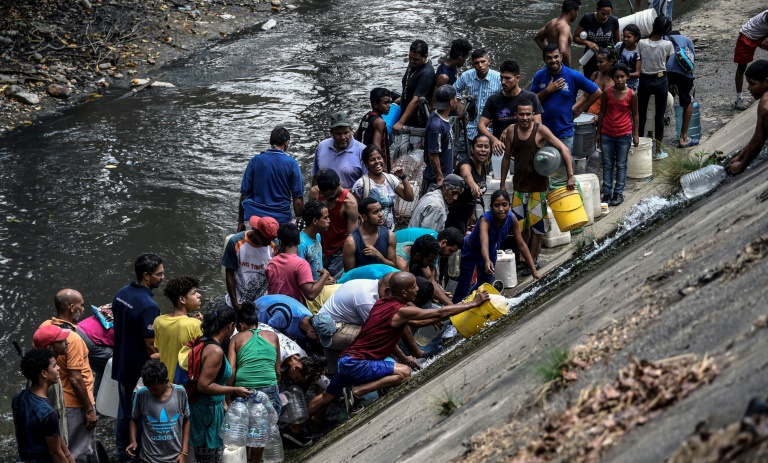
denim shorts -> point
(273, 392)
(351, 372)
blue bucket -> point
(392, 118)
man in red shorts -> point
(751, 36)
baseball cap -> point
(267, 226)
(453, 182)
(47, 335)
(340, 120)
(444, 96)
(325, 326)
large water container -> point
(595, 199)
(235, 426)
(554, 237)
(496, 166)
(640, 159)
(506, 268)
(548, 161)
(643, 19)
(701, 181)
(232, 454)
(392, 117)
(586, 197)
(258, 424)
(584, 129)
(694, 127)
(108, 396)
(594, 162)
(296, 408)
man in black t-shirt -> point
(418, 81)
(500, 109)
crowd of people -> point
(327, 293)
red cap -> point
(267, 226)
(47, 335)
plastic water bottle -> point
(258, 424)
(235, 426)
(273, 451)
(701, 181)
(296, 408)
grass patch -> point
(680, 163)
(446, 402)
(583, 240)
(552, 365)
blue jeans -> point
(469, 262)
(615, 154)
(122, 429)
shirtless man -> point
(757, 78)
(558, 30)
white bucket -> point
(234, 455)
(640, 163)
(643, 20)
(595, 199)
(554, 237)
(586, 191)
(506, 268)
(496, 165)
(649, 124)
(108, 396)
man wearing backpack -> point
(680, 79)
(373, 128)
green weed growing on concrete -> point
(552, 365)
(447, 401)
(583, 240)
(680, 163)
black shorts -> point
(681, 86)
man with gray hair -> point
(341, 153)
(76, 376)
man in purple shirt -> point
(341, 153)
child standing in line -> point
(617, 127)
(654, 53)
(627, 51)
(163, 411)
(606, 58)
(480, 247)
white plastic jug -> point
(108, 395)
(595, 201)
(506, 268)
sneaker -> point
(351, 401)
(740, 104)
(617, 199)
(688, 142)
(527, 270)
(660, 155)
(295, 439)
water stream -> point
(176, 156)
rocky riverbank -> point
(57, 53)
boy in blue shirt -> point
(163, 410)
(316, 221)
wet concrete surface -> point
(497, 380)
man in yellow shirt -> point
(174, 330)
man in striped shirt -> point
(480, 81)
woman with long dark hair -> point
(207, 412)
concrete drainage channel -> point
(642, 219)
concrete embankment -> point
(692, 286)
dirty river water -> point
(83, 194)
